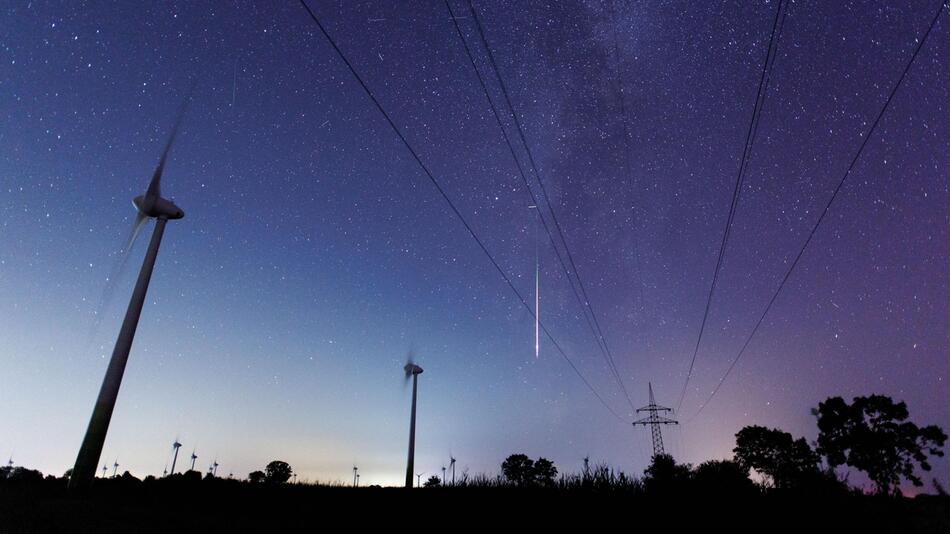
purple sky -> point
(315, 253)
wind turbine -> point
(419, 479)
(104, 469)
(412, 370)
(151, 205)
(355, 475)
(175, 446)
(452, 467)
(115, 467)
(193, 458)
(214, 468)
(443, 475)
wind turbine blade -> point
(410, 357)
(140, 220)
(154, 186)
(115, 273)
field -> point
(231, 506)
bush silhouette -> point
(256, 477)
(784, 461)
(722, 476)
(520, 470)
(664, 475)
(278, 472)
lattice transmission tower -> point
(655, 421)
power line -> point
(451, 204)
(524, 178)
(824, 212)
(580, 282)
(764, 79)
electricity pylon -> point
(655, 421)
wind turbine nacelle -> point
(157, 207)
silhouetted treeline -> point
(772, 475)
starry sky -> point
(315, 254)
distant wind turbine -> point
(412, 370)
(175, 446)
(193, 458)
(151, 205)
(452, 467)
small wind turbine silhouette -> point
(175, 446)
(355, 475)
(193, 458)
(151, 205)
(104, 469)
(443, 475)
(412, 370)
(452, 467)
(115, 467)
(214, 468)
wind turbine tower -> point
(175, 446)
(193, 458)
(151, 205)
(655, 421)
(115, 467)
(412, 370)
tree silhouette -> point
(523, 471)
(518, 469)
(278, 472)
(664, 474)
(544, 472)
(256, 477)
(785, 461)
(432, 482)
(872, 434)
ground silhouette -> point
(797, 489)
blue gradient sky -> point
(314, 254)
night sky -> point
(315, 253)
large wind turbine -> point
(412, 370)
(151, 205)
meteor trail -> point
(537, 293)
